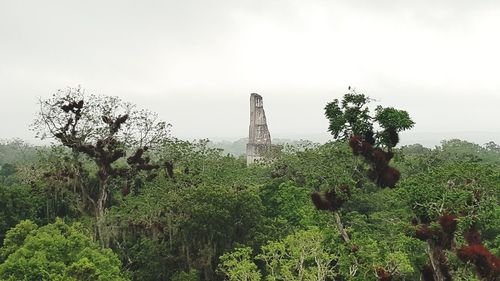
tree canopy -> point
(55, 252)
(115, 197)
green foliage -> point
(287, 202)
(352, 116)
(16, 152)
(218, 213)
(47, 179)
(150, 259)
(377, 221)
(238, 266)
(15, 237)
(191, 275)
(178, 228)
(7, 169)
(183, 221)
(316, 168)
(390, 117)
(460, 150)
(19, 202)
(300, 256)
(212, 214)
(238, 148)
(397, 255)
(56, 252)
(467, 190)
(197, 163)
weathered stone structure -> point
(259, 139)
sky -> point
(195, 63)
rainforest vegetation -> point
(116, 197)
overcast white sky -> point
(196, 62)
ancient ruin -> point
(259, 139)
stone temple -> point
(259, 139)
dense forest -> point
(116, 197)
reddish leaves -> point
(487, 264)
(388, 177)
(472, 236)
(330, 200)
(382, 174)
(443, 235)
(359, 146)
(379, 158)
(383, 274)
(424, 233)
(448, 223)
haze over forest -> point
(384, 163)
(196, 62)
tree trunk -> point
(438, 262)
(340, 227)
(99, 210)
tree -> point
(351, 117)
(238, 266)
(288, 203)
(211, 219)
(300, 256)
(56, 252)
(351, 120)
(185, 222)
(105, 130)
(18, 202)
(492, 146)
(458, 197)
(192, 275)
(7, 169)
(16, 151)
